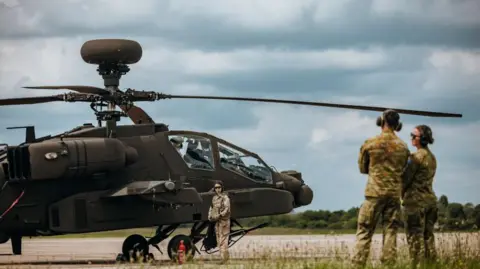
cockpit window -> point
(3, 148)
(195, 150)
(243, 164)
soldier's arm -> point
(363, 159)
(226, 207)
(210, 213)
(407, 160)
(409, 173)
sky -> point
(411, 54)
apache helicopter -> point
(92, 179)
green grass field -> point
(151, 231)
(264, 231)
(457, 250)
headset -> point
(380, 119)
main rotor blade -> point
(137, 115)
(80, 89)
(369, 108)
(30, 100)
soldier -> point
(383, 158)
(220, 212)
(419, 199)
(177, 143)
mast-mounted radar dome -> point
(109, 51)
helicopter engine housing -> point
(68, 158)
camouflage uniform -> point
(383, 158)
(220, 212)
(420, 205)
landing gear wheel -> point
(135, 248)
(172, 247)
(16, 241)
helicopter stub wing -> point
(159, 192)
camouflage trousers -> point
(222, 231)
(368, 217)
(419, 224)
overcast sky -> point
(412, 54)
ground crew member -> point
(419, 199)
(219, 212)
(384, 158)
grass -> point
(265, 231)
(151, 231)
(455, 251)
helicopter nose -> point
(304, 196)
(293, 182)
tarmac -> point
(101, 252)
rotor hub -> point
(111, 73)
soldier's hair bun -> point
(392, 118)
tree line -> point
(451, 217)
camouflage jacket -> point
(418, 179)
(384, 158)
(220, 208)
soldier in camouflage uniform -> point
(419, 199)
(384, 158)
(220, 212)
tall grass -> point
(454, 251)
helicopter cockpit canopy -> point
(244, 164)
(197, 152)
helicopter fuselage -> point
(83, 181)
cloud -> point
(448, 12)
(249, 14)
(195, 62)
(368, 53)
(448, 66)
(215, 24)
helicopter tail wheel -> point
(135, 248)
(173, 244)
